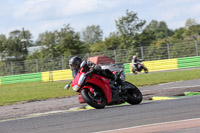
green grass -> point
(163, 77)
(13, 93)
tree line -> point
(131, 32)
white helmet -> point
(134, 57)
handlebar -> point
(89, 72)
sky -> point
(39, 16)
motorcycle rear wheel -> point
(97, 102)
(134, 95)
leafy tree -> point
(144, 39)
(152, 26)
(193, 30)
(58, 43)
(158, 29)
(113, 41)
(110, 43)
(92, 34)
(69, 41)
(48, 41)
(179, 34)
(2, 46)
(24, 36)
(190, 22)
(16, 48)
(129, 26)
(98, 47)
(162, 30)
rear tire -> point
(97, 102)
(133, 93)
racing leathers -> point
(135, 63)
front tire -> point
(146, 70)
(97, 102)
(134, 96)
(134, 71)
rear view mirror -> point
(83, 64)
(67, 86)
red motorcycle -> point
(98, 91)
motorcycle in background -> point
(98, 91)
(139, 68)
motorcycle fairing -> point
(80, 99)
(102, 83)
(75, 81)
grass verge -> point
(163, 77)
(13, 93)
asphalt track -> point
(176, 115)
(110, 118)
(172, 85)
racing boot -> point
(120, 82)
(115, 93)
(118, 79)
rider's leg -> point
(107, 73)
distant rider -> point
(135, 62)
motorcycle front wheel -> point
(97, 101)
(145, 70)
(134, 96)
(134, 71)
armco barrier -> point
(33, 77)
(161, 65)
(57, 75)
(189, 62)
(127, 68)
(45, 76)
(62, 75)
(158, 65)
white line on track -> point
(183, 87)
(155, 124)
(170, 83)
(174, 87)
(42, 114)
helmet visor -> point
(72, 66)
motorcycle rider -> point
(135, 62)
(75, 62)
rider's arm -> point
(140, 60)
(90, 64)
(94, 67)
